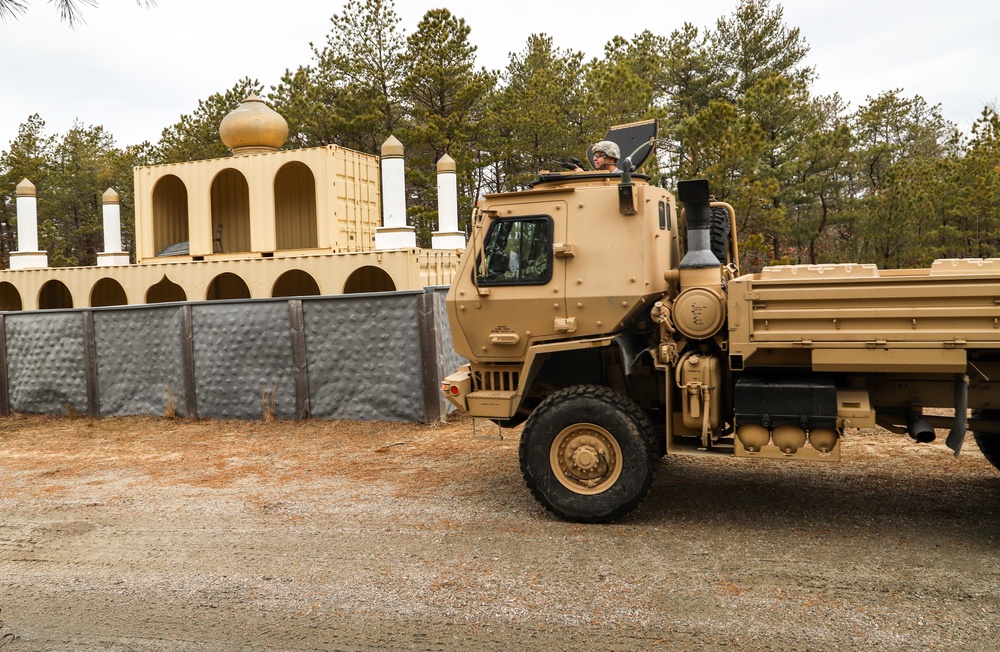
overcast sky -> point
(135, 71)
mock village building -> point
(262, 223)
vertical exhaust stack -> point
(695, 196)
(699, 311)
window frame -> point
(549, 225)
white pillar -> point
(394, 234)
(112, 254)
(448, 236)
(27, 255)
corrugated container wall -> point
(321, 198)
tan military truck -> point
(580, 317)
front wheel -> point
(587, 454)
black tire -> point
(719, 233)
(587, 454)
(988, 442)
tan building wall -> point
(302, 275)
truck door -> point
(518, 290)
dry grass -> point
(170, 403)
(218, 454)
(49, 453)
(267, 401)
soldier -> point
(606, 155)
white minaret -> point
(27, 255)
(394, 234)
(448, 237)
(112, 254)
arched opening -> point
(170, 214)
(230, 212)
(108, 292)
(369, 279)
(295, 283)
(295, 207)
(54, 295)
(165, 291)
(227, 286)
(10, 298)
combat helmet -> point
(608, 147)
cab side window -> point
(664, 216)
(517, 251)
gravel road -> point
(154, 534)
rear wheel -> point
(587, 454)
(988, 442)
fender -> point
(458, 387)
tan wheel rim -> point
(586, 459)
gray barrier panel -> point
(139, 365)
(243, 356)
(371, 357)
(45, 367)
(363, 354)
(449, 360)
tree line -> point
(812, 180)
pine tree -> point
(538, 114)
(27, 158)
(358, 73)
(447, 102)
(901, 144)
(754, 43)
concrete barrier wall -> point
(365, 356)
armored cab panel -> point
(558, 262)
(617, 270)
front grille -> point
(498, 381)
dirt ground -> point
(155, 534)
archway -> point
(295, 283)
(369, 279)
(170, 213)
(54, 295)
(107, 292)
(227, 286)
(230, 212)
(295, 207)
(10, 298)
(165, 291)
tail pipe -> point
(919, 429)
(695, 195)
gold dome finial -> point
(253, 128)
(446, 164)
(392, 148)
(25, 189)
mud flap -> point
(961, 424)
